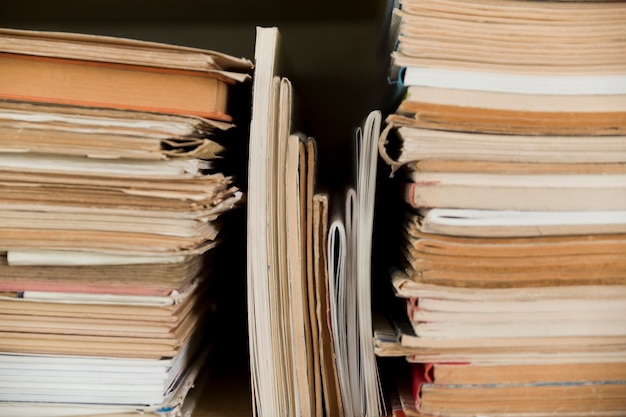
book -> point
(266, 365)
(117, 73)
(46, 199)
(152, 386)
(405, 287)
(567, 398)
(406, 145)
(514, 223)
(516, 83)
(46, 128)
(514, 262)
(496, 121)
(560, 191)
(312, 209)
(485, 373)
(599, 320)
(415, 95)
(332, 398)
(396, 338)
(101, 273)
(504, 119)
(115, 49)
(297, 244)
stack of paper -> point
(284, 367)
(110, 216)
(309, 300)
(509, 150)
(350, 285)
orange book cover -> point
(110, 85)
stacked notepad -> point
(509, 146)
(111, 212)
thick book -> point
(514, 262)
(491, 373)
(98, 71)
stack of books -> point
(283, 338)
(309, 254)
(117, 190)
(510, 154)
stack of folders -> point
(115, 188)
(510, 154)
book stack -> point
(117, 185)
(509, 151)
(309, 300)
(284, 360)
